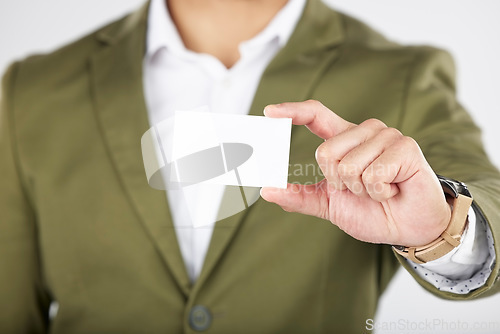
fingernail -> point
(270, 106)
(261, 191)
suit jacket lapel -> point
(116, 71)
(291, 76)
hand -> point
(378, 187)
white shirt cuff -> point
(468, 266)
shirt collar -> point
(162, 32)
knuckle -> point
(314, 103)
(391, 133)
(348, 171)
(374, 123)
(408, 143)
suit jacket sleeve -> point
(24, 305)
(451, 143)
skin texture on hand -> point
(378, 187)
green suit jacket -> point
(80, 225)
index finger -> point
(313, 114)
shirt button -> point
(200, 318)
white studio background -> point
(469, 29)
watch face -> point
(454, 187)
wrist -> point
(460, 200)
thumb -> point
(306, 199)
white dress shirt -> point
(176, 78)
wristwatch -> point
(460, 200)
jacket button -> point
(200, 318)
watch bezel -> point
(454, 187)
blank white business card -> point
(199, 146)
